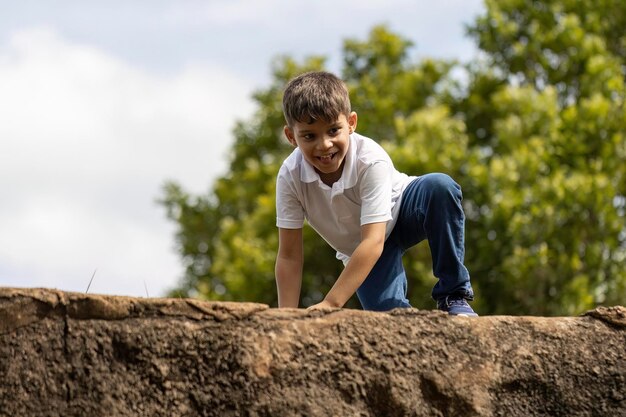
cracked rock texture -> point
(69, 354)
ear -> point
(290, 136)
(352, 120)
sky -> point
(101, 102)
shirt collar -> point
(307, 172)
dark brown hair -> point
(315, 95)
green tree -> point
(545, 122)
(534, 134)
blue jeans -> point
(430, 209)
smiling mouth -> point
(327, 158)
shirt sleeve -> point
(289, 210)
(376, 189)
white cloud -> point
(86, 142)
(278, 13)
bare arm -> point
(288, 270)
(361, 263)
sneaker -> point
(456, 306)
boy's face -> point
(324, 145)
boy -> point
(347, 188)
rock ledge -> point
(72, 354)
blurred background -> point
(102, 101)
(140, 141)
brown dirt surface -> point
(70, 354)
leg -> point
(431, 208)
(385, 286)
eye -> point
(309, 136)
(334, 131)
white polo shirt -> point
(368, 191)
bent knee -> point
(441, 183)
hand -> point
(323, 305)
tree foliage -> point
(534, 131)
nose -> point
(325, 144)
